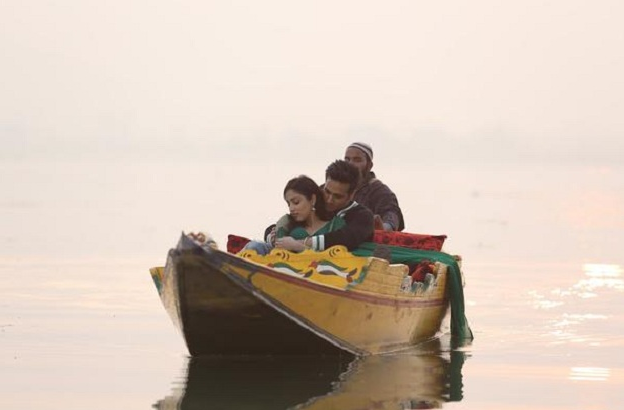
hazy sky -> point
(530, 76)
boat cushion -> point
(410, 240)
(235, 243)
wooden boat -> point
(289, 303)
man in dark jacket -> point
(341, 181)
(373, 193)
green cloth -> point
(299, 232)
(460, 330)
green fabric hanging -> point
(460, 330)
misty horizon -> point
(484, 81)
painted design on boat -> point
(335, 267)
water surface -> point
(81, 325)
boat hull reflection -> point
(421, 378)
(400, 381)
(254, 382)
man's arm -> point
(277, 230)
(387, 207)
(359, 228)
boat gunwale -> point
(351, 293)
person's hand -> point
(289, 243)
(271, 237)
(378, 223)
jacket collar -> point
(346, 209)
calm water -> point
(81, 325)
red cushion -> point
(410, 240)
(235, 243)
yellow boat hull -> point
(305, 303)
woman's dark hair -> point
(306, 186)
(344, 172)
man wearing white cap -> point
(373, 193)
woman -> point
(307, 217)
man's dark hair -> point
(342, 171)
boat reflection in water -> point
(254, 382)
(410, 380)
(421, 378)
